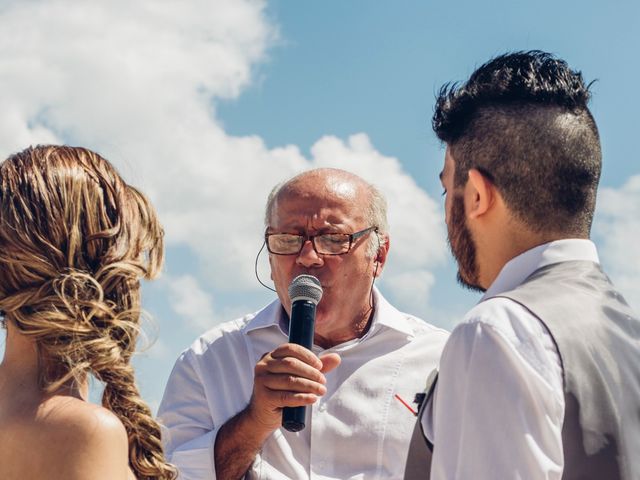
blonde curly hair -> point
(75, 240)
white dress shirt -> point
(357, 430)
(498, 408)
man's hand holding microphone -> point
(286, 380)
(291, 377)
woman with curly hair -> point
(75, 240)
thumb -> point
(329, 362)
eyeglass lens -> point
(330, 243)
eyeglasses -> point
(324, 243)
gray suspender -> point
(418, 464)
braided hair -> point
(75, 240)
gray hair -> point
(375, 212)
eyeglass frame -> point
(353, 237)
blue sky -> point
(370, 66)
(207, 104)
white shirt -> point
(356, 430)
(498, 408)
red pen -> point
(406, 405)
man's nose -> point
(308, 257)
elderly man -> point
(223, 403)
(542, 378)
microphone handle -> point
(303, 315)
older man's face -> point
(316, 206)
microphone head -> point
(305, 287)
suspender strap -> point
(418, 464)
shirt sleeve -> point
(188, 430)
(499, 406)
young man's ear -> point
(480, 194)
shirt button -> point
(323, 407)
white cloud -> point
(95, 70)
(156, 350)
(411, 289)
(188, 299)
(138, 81)
(617, 229)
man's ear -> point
(381, 254)
(480, 194)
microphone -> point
(305, 292)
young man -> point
(542, 378)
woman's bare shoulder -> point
(89, 438)
(73, 439)
(86, 420)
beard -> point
(463, 247)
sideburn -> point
(463, 247)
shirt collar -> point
(269, 316)
(385, 316)
(519, 268)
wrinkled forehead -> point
(343, 188)
(322, 188)
(333, 198)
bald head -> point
(329, 185)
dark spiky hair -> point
(515, 78)
(522, 120)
